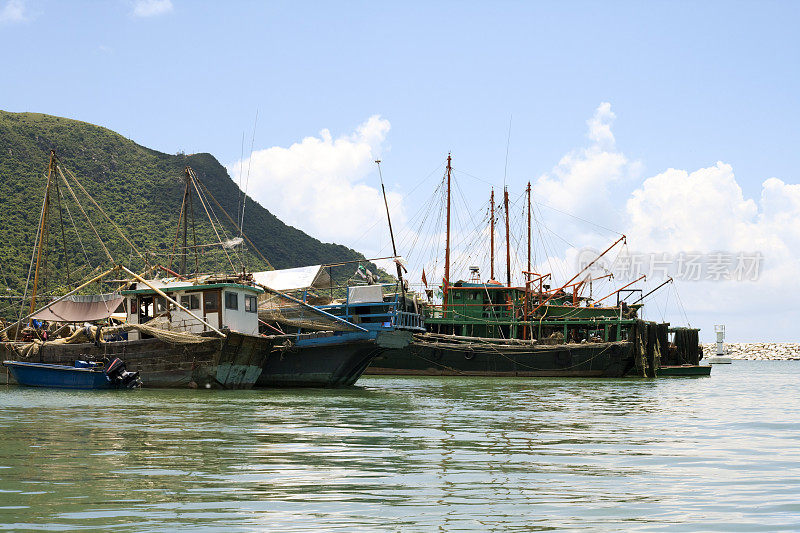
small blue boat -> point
(84, 375)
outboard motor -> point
(121, 378)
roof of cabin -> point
(189, 287)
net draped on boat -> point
(158, 327)
(273, 306)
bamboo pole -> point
(42, 228)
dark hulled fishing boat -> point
(185, 330)
(494, 329)
(331, 345)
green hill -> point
(141, 189)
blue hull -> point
(57, 376)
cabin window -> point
(231, 300)
(473, 296)
(161, 305)
(211, 301)
(190, 301)
(251, 304)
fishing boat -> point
(86, 375)
(501, 329)
(331, 344)
(186, 329)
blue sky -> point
(689, 84)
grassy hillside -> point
(141, 189)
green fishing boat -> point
(494, 329)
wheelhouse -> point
(230, 306)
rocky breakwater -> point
(761, 351)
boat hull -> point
(422, 357)
(57, 376)
(327, 360)
(684, 370)
(231, 363)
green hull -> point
(684, 370)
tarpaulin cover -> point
(291, 279)
(81, 308)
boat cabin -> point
(223, 305)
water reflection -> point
(416, 453)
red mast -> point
(529, 229)
(447, 242)
(491, 223)
(508, 239)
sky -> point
(675, 123)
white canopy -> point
(292, 279)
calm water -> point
(680, 454)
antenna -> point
(508, 143)
(241, 177)
(247, 182)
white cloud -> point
(584, 179)
(151, 8)
(679, 210)
(13, 11)
(319, 184)
(703, 210)
(600, 126)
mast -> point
(491, 223)
(527, 272)
(185, 216)
(391, 232)
(529, 227)
(447, 241)
(508, 239)
(42, 225)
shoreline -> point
(756, 351)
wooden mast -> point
(42, 226)
(491, 223)
(185, 216)
(447, 240)
(508, 239)
(529, 228)
(527, 272)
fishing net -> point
(274, 306)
